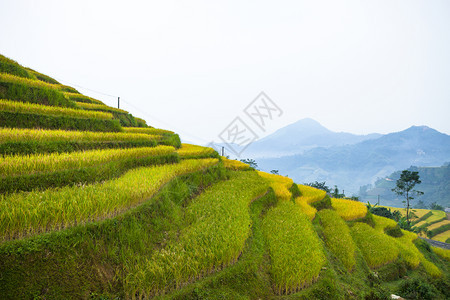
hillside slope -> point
(93, 207)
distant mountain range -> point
(299, 137)
(307, 151)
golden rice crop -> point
(444, 253)
(100, 107)
(16, 106)
(310, 211)
(75, 96)
(376, 248)
(438, 215)
(349, 209)
(442, 237)
(23, 135)
(338, 237)
(280, 184)
(23, 214)
(42, 163)
(232, 164)
(4, 77)
(311, 194)
(219, 225)
(147, 130)
(194, 151)
(308, 196)
(382, 223)
(296, 253)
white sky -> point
(355, 66)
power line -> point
(138, 109)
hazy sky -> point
(193, 66)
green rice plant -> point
(66, 88)
(23, 135)
(35, 146)
(147, 130)
(4, 77)
(337, 237)
(377, 248)
(16, 106)
(83, 175)
(42, 77)
(45, 163)
(348, 209)
(81, 98)
(42, 121)
(24, 214)
(194, 151)
(100, 107)
(444, 253)
(12, 67)
(296, 253)
(218, 227)
(408, 251)
(279, 184)
(141, 122)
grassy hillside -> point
(95, 204)
(434, 224)
(435, 185)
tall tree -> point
(405, 187)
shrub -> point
(322, 204)
(417, 289)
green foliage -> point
(82, 98)
(27, 120)
(394, 231)
(319, 185)
(12, 67)
(418, 289)
(296, 253)
(435, 206)
(405, 187)
(337, 237)
(382, 212)
(251, 162)
(325, 203)
(42, 77)
(295, 191)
